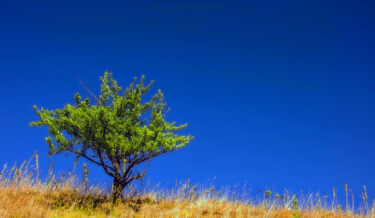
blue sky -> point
(277, 94)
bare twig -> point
(87, 89)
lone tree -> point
(118, 133)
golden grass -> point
(24, 195)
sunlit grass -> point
(23, 194)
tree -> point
(118, 133)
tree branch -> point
(137, 176)
(104, 165)
(132, 163)
(87, 89)
(114, 170)
(148, 157)
(101, 163)
(83, 155)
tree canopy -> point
(118, 132)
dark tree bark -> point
(117, 188)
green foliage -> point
(296, 215)
(117, 133)
(295, 204)
(268, 193)
(295, 207)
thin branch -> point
(83, 155)
(101, 163)
(148, 157)
(139, 175)
(114, 170)
(104, 165)
(130, 166)
(87, 89)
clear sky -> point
(277, 93)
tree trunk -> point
(117, 189)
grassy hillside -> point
(22, 194)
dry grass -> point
(22, 194)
